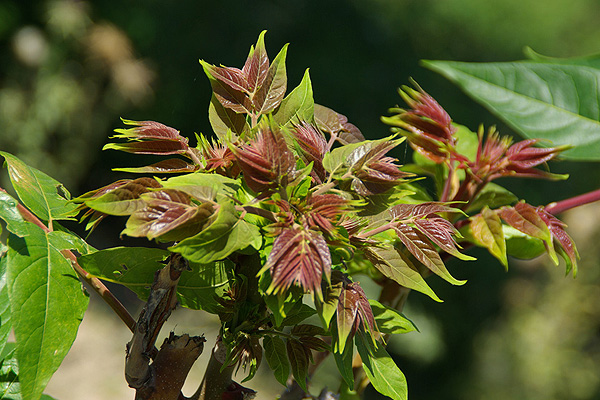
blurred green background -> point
(70, 69)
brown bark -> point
(164, 377)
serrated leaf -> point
(297, 354)
(486, 229)
(227, 234)
(391, 263)
(382, 371)
(203, 186)
(298, 105)
(389, 320)
(275, 353)
(47, 306)
(537, 99)
(424, 252)
(45, 196)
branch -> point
(564, 205)
(164, 378)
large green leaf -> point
(276, 355)
(10, 214)
(134, 268)
(555, 101)
(47, 305)
(5, 322)
(390, 320)
(45, 196)
(298, 105)
(228, 233)
(382, 371)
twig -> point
(564, 205)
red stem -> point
(564, 205)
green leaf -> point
(47, 305)
(203, 186)
(10, 389)
(521, 245)
(382, 371)
(276, 355)
(298, 105)
(493, 196)
(394, 265)
(224, 119)
(466, 141)
(227, 234)
(270, 94)
(11, 215)
(134, 268)
(389, 320)
(486, 229)
(554, 101)
(5, 322)
(327, 308)
(298, 314)
(343, 360)
(298, 357)
(45, 196)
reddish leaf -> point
(314, 147)
(145, 130)
(168, 215)
(353, 312)
(424, 252)
(224, 120)
(299, 257)
(440, 232)
(566, 245)
(267, 162)
(337, 125)
(257, 64)
(170, 166)
(159, 147)
(270, 93)
(526, 219)
(406, 211)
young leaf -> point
(170, 166)
(298, 105)
(493, 196)
(389, 320)
(559, 98)
(275, 352)
(525, 218)
(331, 295)
(228, 233)
(521, 245)
(120, 198)
(392, 263)
(382, 371)
(486, 229)
(343, 360)
(353, 312)
(224, 120)
(424, 252)
(168, 215)
(269, 94)
(47, 306)
(337, 125)
(45, 196)
(299, 257)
